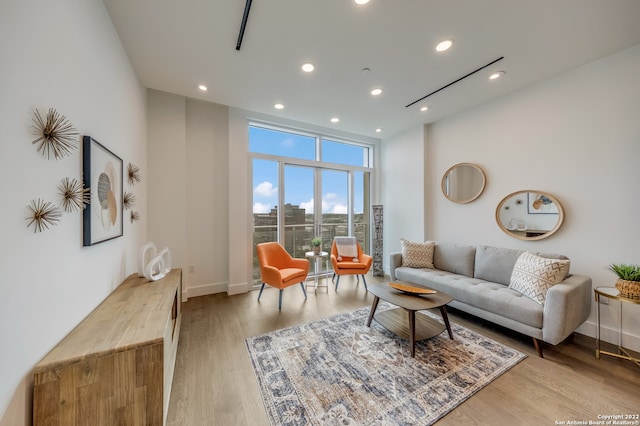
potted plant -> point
(316, 242)
(628, 283)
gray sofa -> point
(478, 280)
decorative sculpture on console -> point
(153, 265)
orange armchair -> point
(279, 269)
(348, 265)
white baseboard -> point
(610, 335)
(203, 290)
(237, 288)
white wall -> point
(188, 195)
(66, 55)
(575, 136)
(207, 194)
(167, 156)
(402, 176)
(239, 208)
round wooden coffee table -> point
(409, 325)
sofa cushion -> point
(417, 255)
(487, 296)
(533, 275)
(458, 259)
(495, 264)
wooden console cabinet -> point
(116, 366)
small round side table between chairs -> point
(318, 264)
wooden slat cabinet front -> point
(116, 366)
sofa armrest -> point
(567, 306)
(394, 262)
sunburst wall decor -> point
(134, 174)
(135, 216)
(42, 214)
(55, 134)
(128, 200)
(74, 195)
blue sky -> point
(299, 180)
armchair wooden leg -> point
(260, 294)
(536, 343)
(280, 301)
(365, 283)
(337, 282)
(304, 290)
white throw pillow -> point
(417, 255)
(533, 275)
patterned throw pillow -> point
(533, 275)
(417, 255)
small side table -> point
(613, 294)
(318, 258)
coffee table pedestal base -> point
(398, 322)
(403, 321)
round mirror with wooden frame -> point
(529, 215)
(463, 182)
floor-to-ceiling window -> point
(307, 185)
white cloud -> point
(265, 189)
(261, 208)
(339, 209)
(331, 203)
(330, 196)
(307, 205)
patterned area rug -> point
(337, 371)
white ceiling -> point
(175, 45)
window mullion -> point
(281, 213)
(350, 203)
(317, 203)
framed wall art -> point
(539, 203)
(102, 173)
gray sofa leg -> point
(536, 343)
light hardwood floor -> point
(214, 383)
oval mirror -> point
(529, 215)
(463, 182)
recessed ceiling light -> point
(278, 106)
(376, 92)
(378, 130)
(496, 75)
(202, 87)
(308, 67)
(444, 45)
(424, 108)
(361, 2)
(335, 120)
